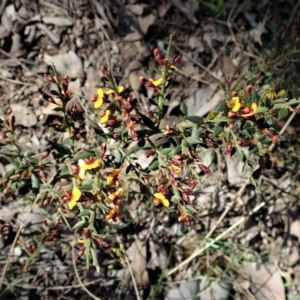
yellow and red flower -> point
(87, 165)
(76, 194)
(115, 196)
(159, 198)
(105, 116)
(112, 177)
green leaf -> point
(147, 121)
(15, 282)
(218, 130)
(191, 140)
(84, 213)
(195, 133)
(32, 160)
(223, 108)
(10, 160)
(154, 165)
(183, 108)
(166, 102)
(194, 119)
(118, 156)
(283, 112)
(295, 91)
(61, 149)
(186, 173)
(134, 149)
(82, 155)
(34, 181)
(80, 224)
(9, 173)
(166, 151)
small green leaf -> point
(80, 224)
(166, 151)
(191, 140)
(82, 155)
(195, 133)
(9, 173)
(147, 121)
(32, 160)
(10, 160)
(283, 112)
(295, 91)
(84, 213)
(128, 169)
(183, 108)
(141, 143)
(194, 119)
(218, 130)
(118, 156)
(154, 165)
(34, 181)
(166, 102)
(61, 149)
(223, 108)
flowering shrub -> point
(91, 185)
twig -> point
(130, 270)
(16, 81)
(220, 236)
(239, 193)
(11, 250)
(77, 273)
(199, 64)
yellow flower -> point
(100, 99)
(81, 241)
(174, 68)
(253, 111)
(105, 118)
(163, 199)
(111, 176)
(156, 82)
(83, 167)
(237, 104)
(176, 169)
(116, 194)
(110, 91)
(76, 194)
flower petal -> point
(159, 196)
(99, 101)
(165, 202)
(176, 169)
(104, 119)
(237, 104)
(76, 194)
(110, 91)
(111, 176)
(156, 82)
(72, 204)
(253, 112)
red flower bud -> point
(102, 150)
(204, 169)
(80, 253)
(249, 89)
(133, 134)
(177, 59)
(45, 154)
(86, 233)
(143, 80)
(49, 78)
